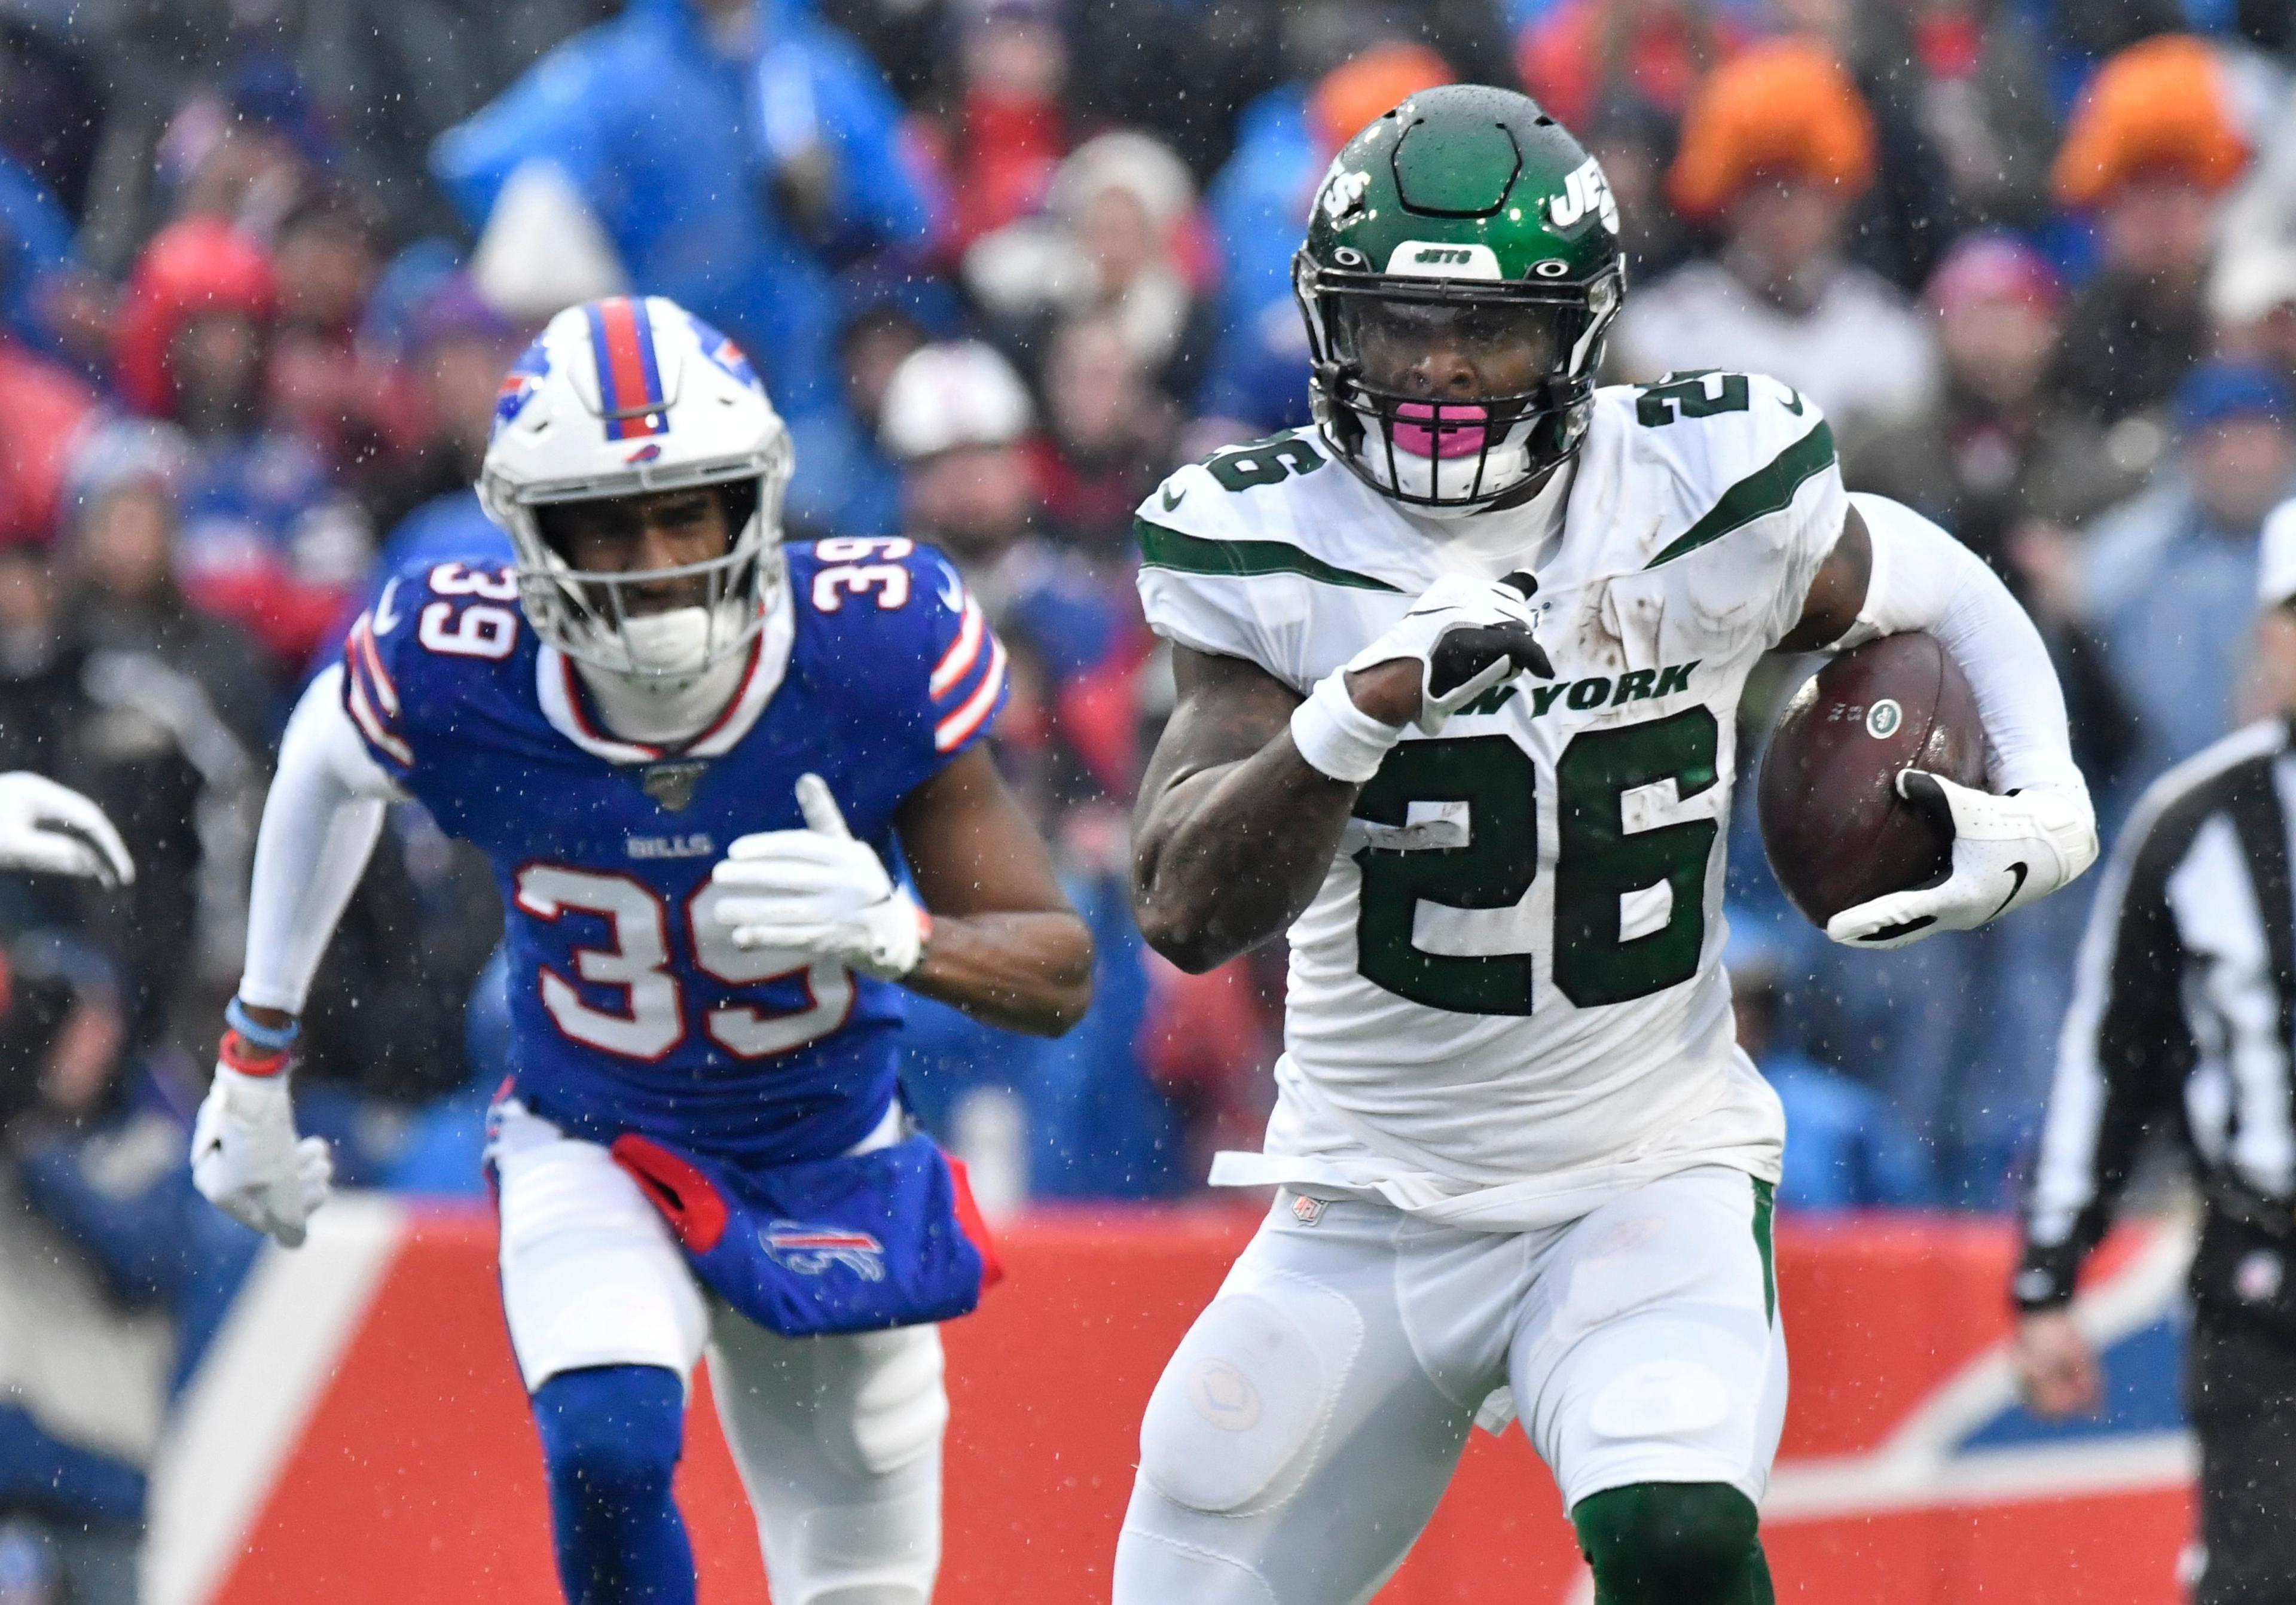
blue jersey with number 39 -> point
(632, 1009)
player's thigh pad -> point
(590, 1274)
(838, 1441)
(1246, 1401)
(1649, 1350)
(1298, 1441)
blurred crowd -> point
(1003, 264)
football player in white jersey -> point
(1459, 673)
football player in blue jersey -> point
(736, 800)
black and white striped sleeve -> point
(2122, 1058)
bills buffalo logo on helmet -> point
(809, 1250)
(520, 384)
(724, 354)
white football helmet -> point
(627, 396)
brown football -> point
(1836, 831)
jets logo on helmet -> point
(1585, 190)
(1460, 272)
(631, 397)
(1343, 192)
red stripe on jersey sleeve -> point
(959, 727)
(963, 652)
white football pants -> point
(838, 1439)
(1311, 1419)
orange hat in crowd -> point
(1783, 107)
(2158, 106)
(199, 264)
(1369, 86)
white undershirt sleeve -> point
(1923, 579)
(319, 826)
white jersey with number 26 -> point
(1506, 1002)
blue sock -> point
(611, 1436)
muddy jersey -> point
(1506, 1002)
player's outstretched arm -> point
(1247, 793)
(995, 936)
(319, 826)
(1893, 571)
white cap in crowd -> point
(1144, 166)
(2251, 283)
(543, 248)
(942, 396)
(2275, 569)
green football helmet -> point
(1461, 269)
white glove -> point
(1468, 636)
(2007, 851)
(247, 1162)
(45, 826)
(819, 892)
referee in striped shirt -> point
(2184, 1009)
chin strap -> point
(648, 709)
(665, 713)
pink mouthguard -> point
(1461, 433)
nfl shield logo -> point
(671, 785)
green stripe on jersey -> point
(1763, 492)
(1765, 1211)
(1165, 548)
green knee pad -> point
(1673, 1544)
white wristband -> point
(1336, 737)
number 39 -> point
(638, 962)
(480, 629)
(857, 576)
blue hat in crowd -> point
(2217, 392)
